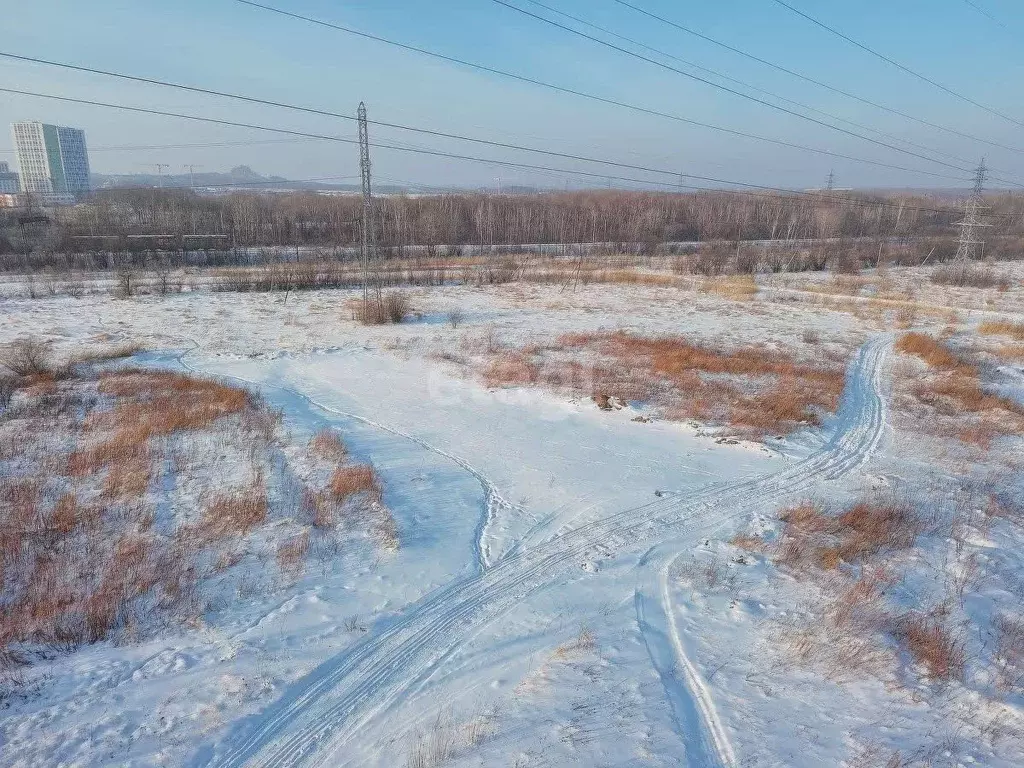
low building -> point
(9, 184)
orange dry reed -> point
(346, 482)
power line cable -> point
(898, 65)
(985, 13)
(831, 199)
(753, 88)
(704, 80)
(582, 94)
(440, 134)
(820, 84)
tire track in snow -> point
(700, 727)
(494, 502)
(316, 720)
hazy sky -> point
(225, 45)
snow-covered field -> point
(566, 591)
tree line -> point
(435, 222)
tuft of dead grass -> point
(229, 515)
(350, 481)
(327, 444)
(932, 645)
(812, 537)
(291, 554)
(931, 350)
(731, 287)
(1002, 328)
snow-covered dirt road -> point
(346, 702)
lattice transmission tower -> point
(971, 248)
(368, 240)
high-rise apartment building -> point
(53, 160)
(8, 181)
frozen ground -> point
(543, 609)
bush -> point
(28, 357)
(8, 386)
(967, 276)
(455, 317)
(392, 308)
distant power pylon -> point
(971, 248)
(830, 183)
(368, 229)
(159, 172)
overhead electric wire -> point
(243, 184)
(440, 134)
(753, 88)
(830, 198)
(819, 83)
(704, 80)
(898, 65)
(533, 81)
(985, 13)
(197, 145)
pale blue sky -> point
(228, 46)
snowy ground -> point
(551, 603)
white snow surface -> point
(535, 614)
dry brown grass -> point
(932, 645)
(1002, 328)
(350, 481)
(814, 538)
(511, 369)
(967, 412)
(103, 354)
(291, 554)
(327, 444)
(229, 515)
(82, 557)
(1011, 352)
(775, 394)
(931, 350)
(733, 287)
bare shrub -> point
(455, 317)
(1009, 652)
(74, 287)
(292, 553)
(967, 276)
(327, 444)
(396, 307)
(391, 308)
(126, 285)
(32, 289)
(29, 356)
(932, 645)
(8, 386)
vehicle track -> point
(495, 505)
(704, 737)
(316, 721)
